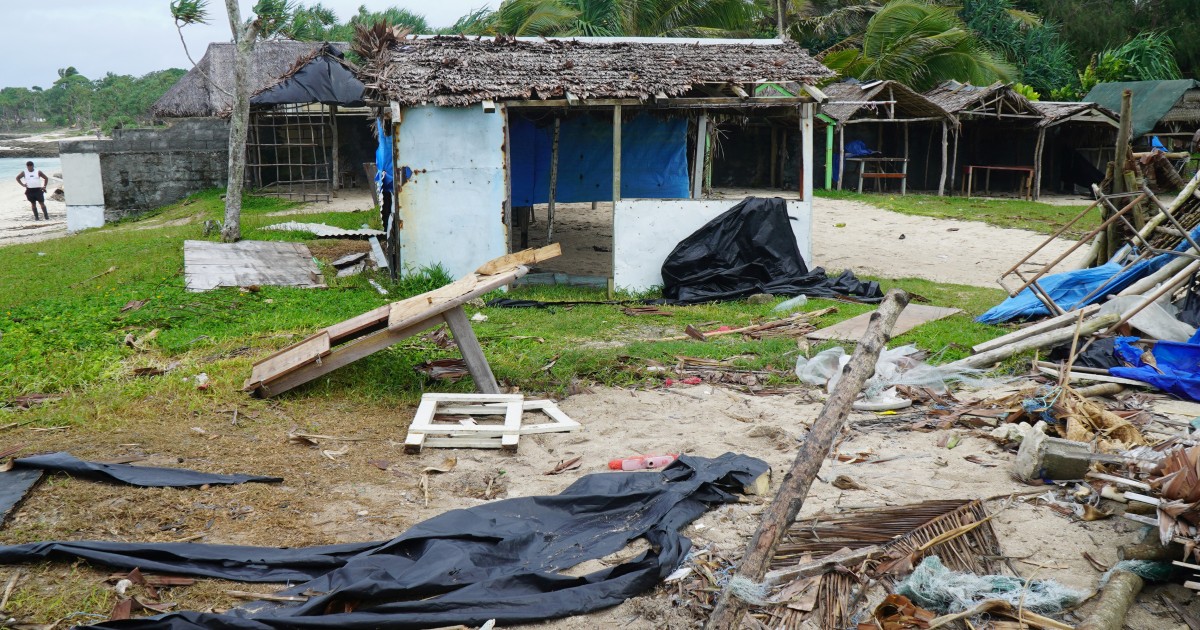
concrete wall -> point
(452, 207)
(142, 169)
(646, 230)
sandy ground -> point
(846, 235)
(16, 218)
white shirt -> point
(32, 180)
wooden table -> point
(881, 164)
(969, 170)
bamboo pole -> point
(945, 150)
(794, 488)
(1039, 148)
(996, 355)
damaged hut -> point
(880, 118)
(483, 131)
(305, 134)
(1004, 135)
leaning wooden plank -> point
(288, 360)
(1054, 323)
(472, 354)
(351, 327)
(526, 257)
(439, 306)
(788, 501)
(419, 305)
(853, 329)
(1074, 376)
(991, 357)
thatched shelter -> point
(881, 114)
(513, 123)
(207, 89)
(1079, 140)
(999, 132)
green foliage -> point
(189, 11)
(612, 18)
(1030, 44)
(920, 45)
(75, 101)
(1027, 91)
(1149, 56)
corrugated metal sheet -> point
(452, 206)
(322, 230)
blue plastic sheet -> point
(383, 158)
(1068, 289)
(1176, 370)
(653, 159)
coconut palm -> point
(920, 45)
(613, 18)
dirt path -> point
(877, 242)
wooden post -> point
(698, 164)
(904, 164)
(335, 176)
(1120, 160)
(954, 160)
(393, 234)
(616, 191)
(806, 151)
(794, 487)
(828, 156)
(841, 154)
(774, 156)
(945, 150)
(553, 184)
(472, 354)
(1037, 164)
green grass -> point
(64, 332)
(1009, 213)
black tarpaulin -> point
(751, 249)
(501, 560)
(14, 485)
(324, 79)
(144, 476)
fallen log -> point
(996, 355)
(782, 511)
(1115, 600)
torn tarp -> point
(26, 471)
(750, 249)
(144, 476)
(502, 560)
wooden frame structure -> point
(467, 433)
(341, 344)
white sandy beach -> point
(16, 218)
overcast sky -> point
(138, 36)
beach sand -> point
(16, 218)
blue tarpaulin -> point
(383, 158)
(653, 159)
(1176, 368)
(1067, 289)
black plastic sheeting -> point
(26, 471)
(1101, 354)
(501, 560)
(322, 80)
(751, 249)
(144, 476)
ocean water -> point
(9, 167)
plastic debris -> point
(934, 587)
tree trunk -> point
(239, 121)
(781, 18)
(792, 491)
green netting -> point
(934, 587)
(1151, 100)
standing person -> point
(35, 191)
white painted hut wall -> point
(646, 230)
(84, 191)
(453, 205)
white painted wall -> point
(84, 190)
(646, 230)
(453, 207)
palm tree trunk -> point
(781, 18)
(243, 37)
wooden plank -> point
(1054, 323)
(377, 253)
(512, 427)
(288, 360)
(208, 265)
(355, 325)
(419, 305)
(854, 328)
(527, 257)
(1099, 378)
(1118, 480)
(468, 345)
(501, 400)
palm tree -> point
(614, 18)
(920, 45)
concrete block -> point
(1045, 457)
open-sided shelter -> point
(482, 126)
(881, 116)
(1079, 139)
(1167, 109)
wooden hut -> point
(1079, 139)
(998, 133)
(882, 114)
(481, 127)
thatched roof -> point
(996, 100)
(205, 90)
(458, 72)
(1054, 112)
(852, 99)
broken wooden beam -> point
(795, 485)
(1046, 325)
(996, 355)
